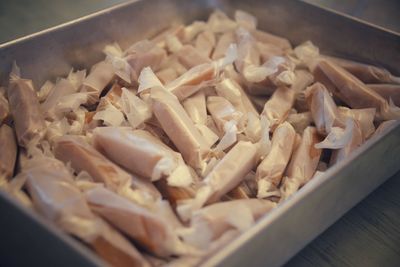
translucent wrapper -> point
(225, 176)
(175, 194)
(302, 80)
(245, 19)
(356, 139)
(83, 157)
(4, 108)
(148, 228)
(351, 90)
(323, 109)
(108, 114)
(135, 109)
(190, 57)
(305, 158)
(222, 111)
(387, 91)
(222, 45)
(366, 73)
(179, 127)
(270, 170)
(25, 110)
(8, 155)
(99, 77)
(57, 198)
(205, 43)
(192, 81)
(148, 156)
(167, 75)
(338, 137)
(211, 222)
(144, 54)
(300, 121)
(195, 107)
(277, 108)
(365, 117)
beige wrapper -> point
(300, 121)
(4, 108)
(179, 127)
(222, 45)
(270, 170)
(205, 43)
(211, 222)
(25, 110)
(56, 197)
(365, 118)
(222, 111)
(227, 174)
(356, 140)
(190, 57)
(167, 75)
(144, 54)
(140, 152)
(305, 158)
(351, 90)
(366, 73)
(150, 229)
(192, 81)
(387, 91)
(174, 194)
(302, 80)
(83, 157)
(323, 109)
(8, 154)
(99, 77)
(277, 108)
(195, 107)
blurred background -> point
(369, 234)
(22, 17)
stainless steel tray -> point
(25, 238)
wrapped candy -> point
(150, 229)
(99, 77)
(25, 110)
(8, 155)
(366, 73)
(270, 170)
(387, 91)
(277, 108)
(143, 154)
(305, 157)
(222, 45)
(179, 127)
(365, 117)
(56, 197)
(300, 121)
(205, 43)
(352, 91)
(190, 57)
(195, 107)
(323, 108)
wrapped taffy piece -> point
(300, 121)
(190, 57)
(323, 108)
(351, 90)
(179, 127)
(8, 155)
(150, 229)
(143, 154)
(99, 77)
(142, 54)
(305, 158)
(83, 157)
(195, 107)
(200, 76)
(25, 110)
(56, 197)
(356, 139)
(270, 170)
(366, 73)
(391, 92)
(210, 223)
(225, 176)
(4, 107)
(277, 108)
(365, 118)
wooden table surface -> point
(368, 235)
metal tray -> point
(27, 239)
